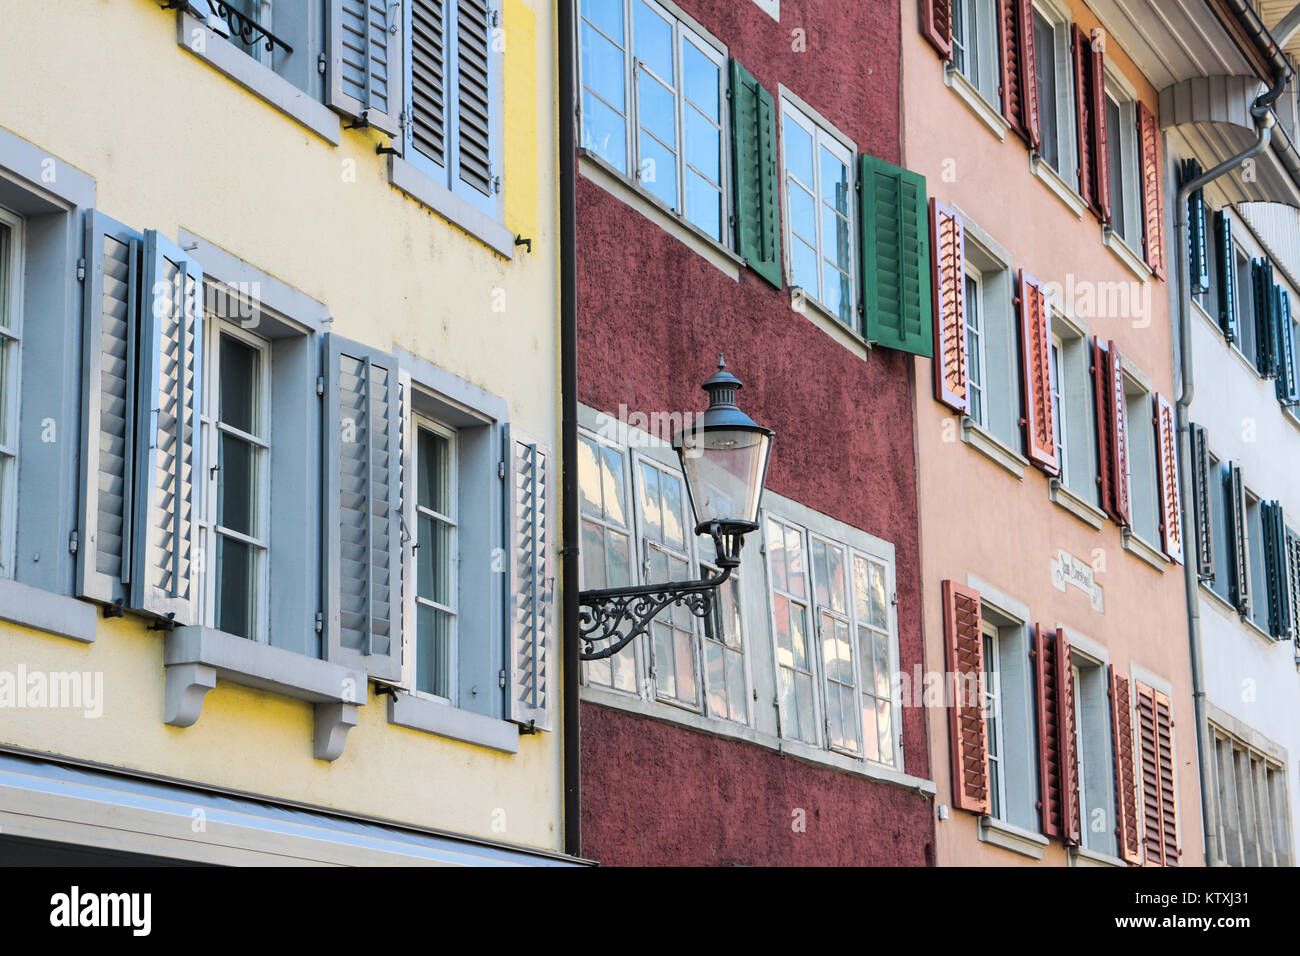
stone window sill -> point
(1085, 511)
(985, 442)
(1056, 183)
(444, 720)
(1080, 856)
(1011, 837)
(460, 213)
(47, 612)
(195, 658)
(1130, 259)
(1134, 544)
(806, 305)
(975, 102)
(259, 79)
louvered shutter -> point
(1275, 570)
(363, 509)
(427, 92)
(530, 504)
(406, 623)
(936, 25)
(1126, 815)
(165, 535)
(1036, 374)
(365, 80)
(895, 258)
(1112, 431)
(1287, 385)
(1081, 58)
(1019, 79)
(969, 734)
(1242, 586)
(948, 246)
(1068, 745)
(1171, 511)
(1101, 393)
(1100, 134)
(110, 326)
(1153, 192)
(1227, 274)
(1293, 586)
(1051, 796)
(1198, 244)
(475, 94)
(1156, 755)
(1203, 502)
(753, 149)
(1261, 278)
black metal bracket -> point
(387, 151)
(521, 241)
(116, 609)
(165, 624)
(245, 29)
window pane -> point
(776, 550)
(658, 171)
(657, 110)
(650, 513)
(604, 132)
(236, 570)
(618, 563)
(794, 559)
(433, 651)
(798, 152)
(589, 477)
(240, 365)
(704, 205)
(885, 730)
(605, 14)
(836, 187)
(803, 215)
(434, 561)
(702, 81)
(603, 69)
(803, 259)
(593, 557)
(435, 472)
(1118, 213)
(653, 40)
(674, 523)
(703, 149)
(612, 486)
(1045, 56)
(236, 481)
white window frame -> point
(212, 428)
(825, 137)
(1080, 736)
(993, 707)
(891, 636)
(1121, 93)
(977, 371)
(986, 73)
(11, 332)
(810, 634)
(1140, 429)
(746, 702)
(856, 731)
(425, 423)
(1057, 370)
(1066, 133)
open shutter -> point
(1275, 565)
(1101, 394)
(753, 149)
(1203, 503)
(165, 536)
(1019, 77)
(1100, 134)
(1286, 385)
(1050, 784)
(532, 529)
(1153, 192)
(1112, 431)
(1293, 587)
(948, 250)
(1126, 817)
(427, 95)
(475, 94)
(1227, 274)
(1261, 278)
(1068, 745)
(1198, 244)
(110, 325)
(1242, 586)
(365, 76)
(1036, 374)
(1081, 59)
(1156, 753)
(936, 25)
(962, 620)
(895, 258)
(1171, 511)
(363, 505)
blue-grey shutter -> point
(1240, 555)
(110, 310)
(1202, 503)
(1227, 273)
(531, 529)
(363, 509)
(365, 79)
(1198, 247)
(1293, 585)
(1275, 565)
(167, 450)
(1288, 388)
(426, 92)
(477, 83)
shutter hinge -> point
(320, 622)
(320, 63)
(73, 541)
(501, 468)
(81, 269)
(501, 678)
(496, 18)
(320, 384)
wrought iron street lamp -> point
(724, 459)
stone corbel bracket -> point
(195, 658)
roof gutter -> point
(1261, 113)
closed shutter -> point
(1153, 191)
(1156, 762)
(110, 326)
(936, 25)
(1051, 786)
(895, 258)
(1287, 384)
(1293, 586)
(753, 149)
(366, 61)
(1227, 274)
(948, 247)
(1242, 586)
(531, 508)
(427, 93)
(1112, 431)
(363, 509)
(1019, 76)
(962, 619)
(1171, 511)
(1126, 814)
(1068, 744)
(165, 538)
(1203, 503)
(1198, 241)
(474, 95)
(1036, 374)
(1090, 119)
(1275, 570)
(1261, 278)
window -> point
(724, 644)
(436, 559)
(11, 271)
(249, 40)
(1250, 794)
(819, 191)
(234, 534)
(1075, 409)
(658, 115)
(1258, 574)
(1144, 496)
(1122, 164)
(1096, 765)
(1220, 502)
(1009, 718)
(795, 666)
(1058, 406)
(1245, 305)
(993, 718)
(1055, 93)
(975, 345)
(992, 342)
(974, 45)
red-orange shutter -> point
(1100, 135)
(1119, 437)
(1126, 819)
(936, 25)
(969, 743)
(1102, 394)
(1068, 743)
(1036, 374)
(1153, 195)
(1009, 40)
(1156, 754)
(948, 245)
(1029, 72)
(1049, 751)
(1171, 511)
(1081, 56)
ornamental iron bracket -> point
(244, 28)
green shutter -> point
(753, 147)
(1198, 252)
(1276, 570)
(895, 258)
(1227, 275)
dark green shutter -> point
(1202, 503)
(895, 258)
(1293, 584)
(1241, 584)
(1275, 564)
(1288, 389)
(1266, 304)
(753, 147)
(1198, 245)
(1227, 270)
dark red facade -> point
(652, 316)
